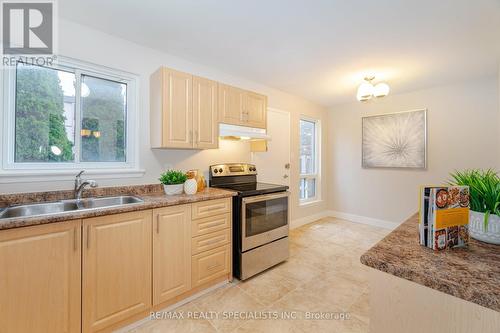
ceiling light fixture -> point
(367, 89)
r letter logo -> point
(28, 28)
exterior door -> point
(205, 122)
(116, 268)
(171, 252)
(278, 150)
(177, 109)
(40, 278)
(231, 102)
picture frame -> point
(395, 140)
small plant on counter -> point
(173, 177)
(484, 187)
(173, 181)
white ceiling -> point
(318, 49)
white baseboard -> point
(308, 219)
(344, 216)
(364, 220)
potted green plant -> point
(173, 181)
(484, 222)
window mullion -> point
(78, 116)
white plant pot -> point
(190, 186)
(173, 189)
(477, 231)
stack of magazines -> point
(444, 216)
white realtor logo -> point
(35, 19)
(27, 27)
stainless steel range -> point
(261, 217)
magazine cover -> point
(451, 217)
(444, 216)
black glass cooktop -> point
(247, 189)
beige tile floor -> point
(322, 276)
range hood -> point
(234, 132)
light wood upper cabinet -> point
(255, 110)
(171, 109)
(242, 107)
(171, 252)
(205, 122)
(183, 111)
(231, 104)
(116, 268)
(186, 110)
(40, 278)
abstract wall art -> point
(396, 140)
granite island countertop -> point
(152, 195)
(472, 274)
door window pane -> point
(307, 147)
(307, 188)
(44, 115)
(104, 109)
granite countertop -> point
(472, 273)
(151, 194)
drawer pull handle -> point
(213, 241)
(214, 207)
(209, 268)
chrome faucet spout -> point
(81, 184)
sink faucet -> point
(80, 185)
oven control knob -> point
(220, 170)
(216, 170)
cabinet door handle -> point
(158, 223)
(75, 241)
(196, 136)
(190, 136)
(88, 237)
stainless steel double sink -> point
(66, 206)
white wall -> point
(463, 127)
(90, 45)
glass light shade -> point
(365, 91)
(55, 150)
(381, 90)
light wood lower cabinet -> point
(40, 278)
(116, 268)
(211, 264)
(171, 252)
(102, 273)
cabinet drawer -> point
(210, 208)
(211, 264)
(210, 241)
(210, 224)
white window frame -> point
(316, 175)
(130, 167)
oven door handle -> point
(265, 197)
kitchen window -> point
(309, 160)
(69, 116)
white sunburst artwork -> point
(396, 140)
